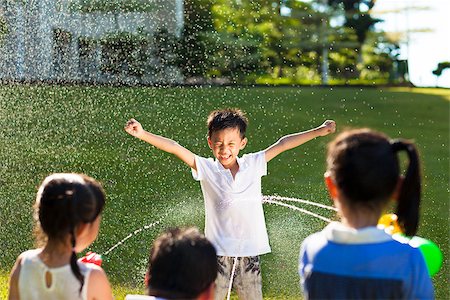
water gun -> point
(92, 258)
(430, 251)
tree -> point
(164, 52)
(244, 34)
(270, 37)
(357, 17)
(231, 57)
(380, 55)
(192, 48)
(327, 41)
(286, 41)
(3, 28)
(292, 28)
(125, 53)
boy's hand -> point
(329, 126)
(133, 127)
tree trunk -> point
(116, 21)
(324, 68)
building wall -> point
(12, 50)
(31, 52)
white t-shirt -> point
(64, 283)
(234, 217)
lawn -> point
(80, 129)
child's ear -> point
(147, 279)
(243, 143)
(208, 293)
(81, 229)
(331, 186)
(210, 144)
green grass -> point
(80, 129)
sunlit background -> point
(311, 42)
(423, 26)
(72, 72)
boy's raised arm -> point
(294, 140)
(134, 128)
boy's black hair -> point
(227, 118)
(364, 165)
(182, 264)
(63, 202)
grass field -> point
(80, 129)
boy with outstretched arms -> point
(231, 187)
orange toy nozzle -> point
(389, 223)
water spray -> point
(142, 229)
(305, 211)
(279, 198)
(232, 277)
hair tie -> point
(398, 145)
(403, 145)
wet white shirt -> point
(234, 216)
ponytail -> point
(408, 201)
(74, 262)
(73, 258)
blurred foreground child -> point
(182, 265)
(353, 259)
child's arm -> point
(99, 287)
(134, 128)
(294, 140)
(14, 281)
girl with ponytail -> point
(67, 214)
(353, 259)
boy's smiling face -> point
(225, 145)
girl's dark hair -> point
(364, 165)
(63, 202)
(227, 118)
(182, 264)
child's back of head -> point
(64, 201)
(182, 264)
(364, 165)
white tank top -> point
(64, 284)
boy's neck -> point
(234, 168)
